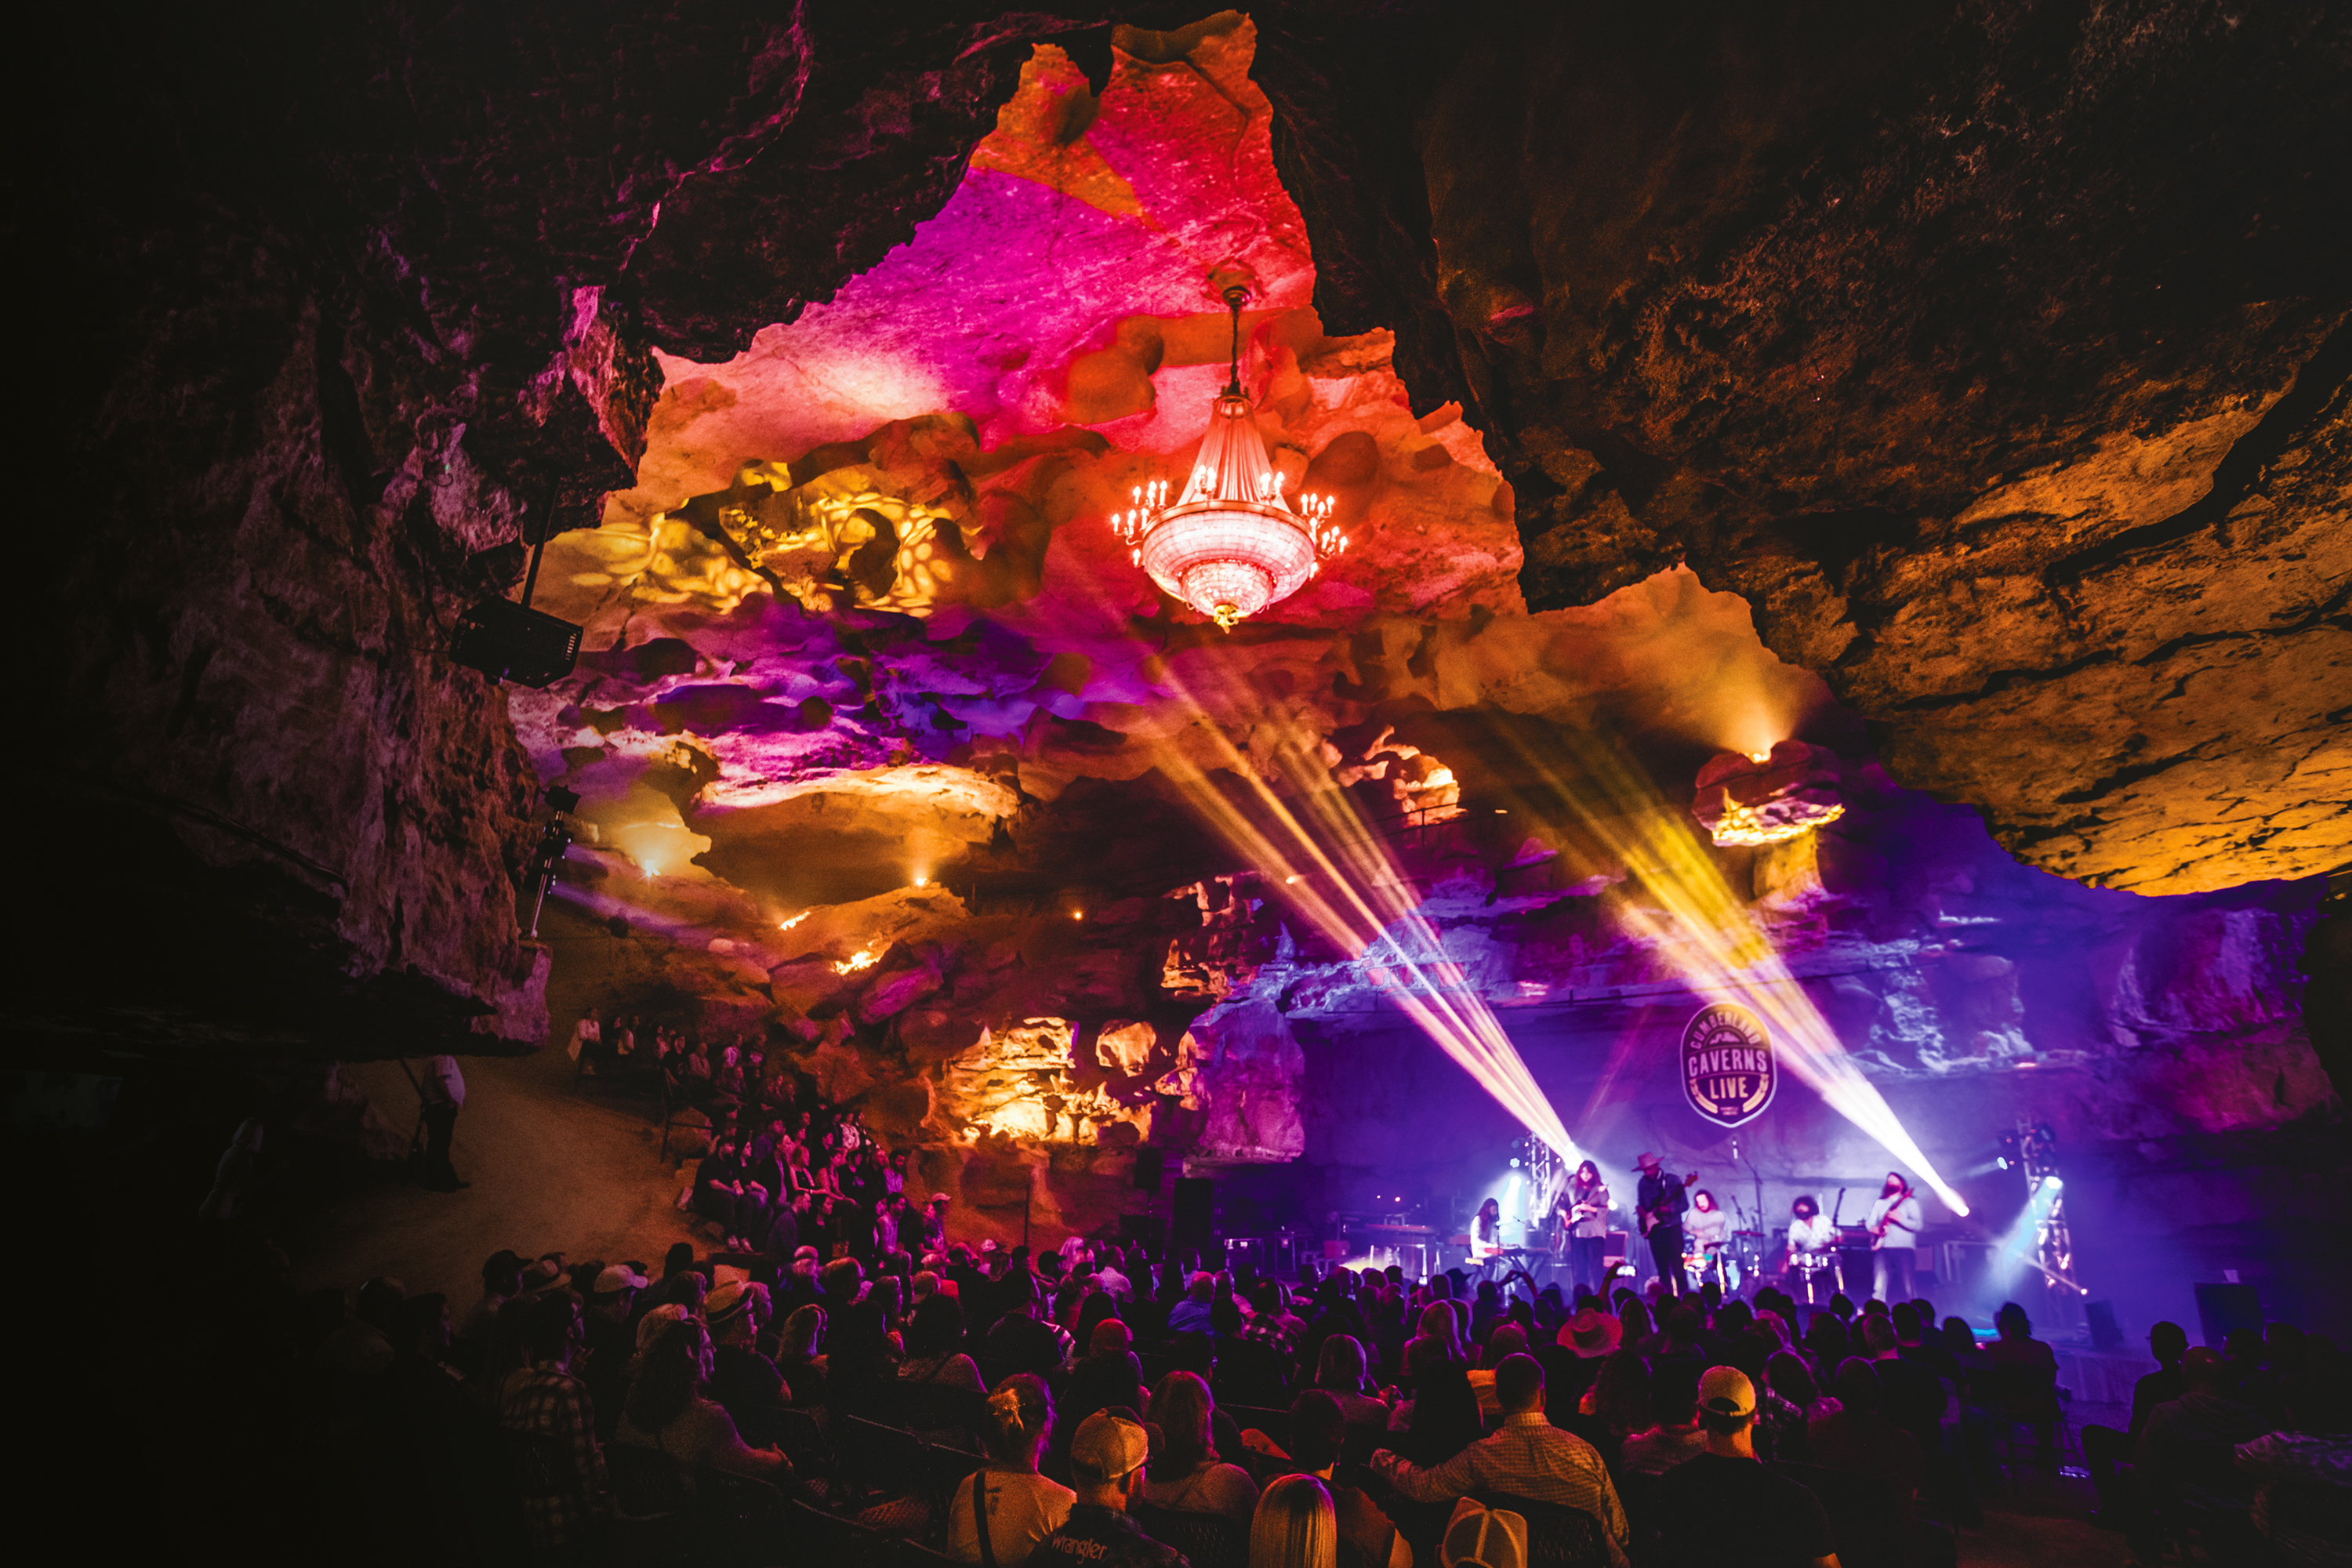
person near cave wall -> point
(443, 1090)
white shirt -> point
(1022, 1510)
(443, 1084)
(1814, 1234)
(1908, 1221)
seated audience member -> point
(1186, 1475)
(1785, 1407)
(1191, 1315)
(501, 1282)
(1858, 1437)
(2017, 1347)
(1778, 1523)
(543, 1397)
(1340, 1374)
(1680, 1341)
(2186, 1454)
(611, 1338)
(1318, 1430)
(1293, 1526)
(669, 1409)
(2303, 1473)
(1442, 1419)
(935, 1347)
(1019, 1342)
(742, 1380)
(1910, 1394)
(1527, 1458)
(1106, 1455)
(1109, 1376)
(1619, 1399)
(800, 1354)
(1267, 1325)
(2103, 1448)
(1020, 1507)
(1674, 1404)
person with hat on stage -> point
(1659, 1202)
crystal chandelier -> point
(1231, 546)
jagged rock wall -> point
(1995, 354)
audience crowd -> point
(840, 1376)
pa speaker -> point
(1195, 1219)
(508, 641)
(2221, 1310)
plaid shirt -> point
(555, 1405)
(1269, 1329)
(1528, 1458)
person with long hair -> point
(1620, 1395)
(1340, 1371)
(935, 1347)
(1186, 1473)
(669, 1409)
(1020, 1507)
(1293, 1526)
(1585, 1211)
(800, 1353)
(1445, 1417)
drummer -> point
(1704, 1230)
(1812, 1244)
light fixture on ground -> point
(1230, 546)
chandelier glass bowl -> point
(1230, 546)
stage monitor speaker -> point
(2223, 1308)
(1150, 1164)
(1195, 1219)
(2100, 1316)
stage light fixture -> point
(510, 641)
(562, 799)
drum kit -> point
(1730, 1263)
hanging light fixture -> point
(1231, 546)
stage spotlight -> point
(1514, 1161)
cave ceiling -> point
(1960, 389)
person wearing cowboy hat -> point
(1593, 1334)
(1660, 1197)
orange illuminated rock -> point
(1743, 799)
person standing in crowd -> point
(1895, 1222)
(443, 1090)
(1659, 1199)
(1587, 1216)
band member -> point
(1895, 1222)
(1487, 1232)
(1813, 1246)
(1585, 1208)
(1660, 1201)
(1706, 1224)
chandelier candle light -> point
(1231, 546)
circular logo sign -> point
(1728, 1070)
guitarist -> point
(1659, 1203)
(1895, 1222)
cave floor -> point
(557, 1163)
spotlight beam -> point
(1706, 934)
(1359, 898)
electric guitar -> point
(1663, 1214)
(1888, 1221)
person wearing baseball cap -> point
(1107, 1460)
(1781, 1524)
